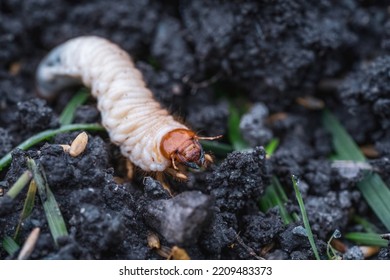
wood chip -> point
(15, 68)
(369, 151)
(276, 118)
(369, 251)
(29, 245)
(338, 245)
(178, 253)
(66, 148)
(266, 249)
(79, 144)
(310, 102)
(153, 241)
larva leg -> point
(177, 174)
(130, 169)
(208, 158)
(160, 178)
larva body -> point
(146, 133)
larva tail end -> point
(52, 76)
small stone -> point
(353, 253)
(180, 219)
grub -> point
(198, 57)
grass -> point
(271, 147)
(218, 148)
(234, 133)
(19, 184)
(9, 245)
(372, 187)
(367, 239)
(275, 196)
(368, 227)
(27, 208)
(305, 218)
(52, 211)
(67, 114)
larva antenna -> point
(209, 138)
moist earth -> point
(201, 59)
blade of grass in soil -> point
(27, 208)
(19, 185)
(53, 213)
(217, 148)
(271, 147)
(9, 245)
(372, 187)
(368, 227)
(275, 196)
(234, 133)
(68, 113)
(367, 239)
(305, 218)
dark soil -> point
(200, 57)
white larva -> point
(146, 133)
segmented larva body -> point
(135, 121)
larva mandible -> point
(146, 133)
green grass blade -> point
(9, 245)
(27, 207)
(271, 147)
(345, 147)
(368, 227)
(367, 239)
(45, 135)
(279, 189)
(275, 196)
(305, 218)
(19, 185)
(372, 187)
(377, 195)
(53, 213)
(234, 132)
(67, 114)
(217, 148)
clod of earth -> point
(181, 219)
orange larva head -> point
(182, 146)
